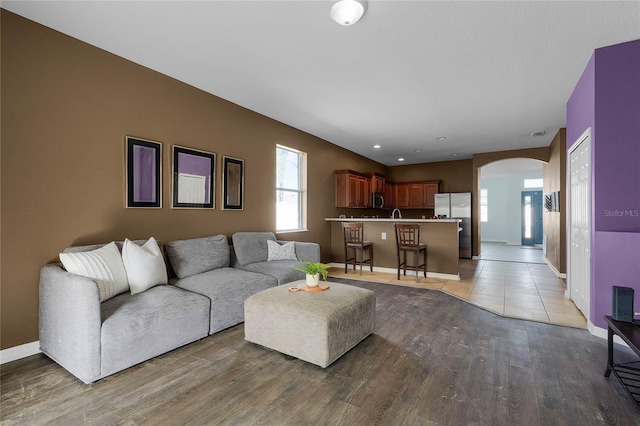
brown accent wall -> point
(66, 108)
(483, 159)
(454, 176)
(554, 223)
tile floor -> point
(528, 291)
(504, 252)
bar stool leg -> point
(425, 263)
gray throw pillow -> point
(197, 255)
(251, 247)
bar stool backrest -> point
(407, 235)
(353, 232)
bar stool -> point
(354, 239)
(408, 240)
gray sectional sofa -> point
(209, 280)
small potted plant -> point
(313, 270)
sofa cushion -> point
(277, 251)
(144, 265)
(197, 255)
(251, 247)
(281, 270)
(104, 265)
(138, 327)
(227, 288)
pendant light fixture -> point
(348, 12)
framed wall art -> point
(143, 173)
(193, 178)
(232, 183)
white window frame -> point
(302, 191)
(484, 205)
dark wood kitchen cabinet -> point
(389, 199)
(377, 182)
(352, 189)
(416, 195)
(429, 191)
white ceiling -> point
(483, 74)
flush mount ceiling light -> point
(348, 12)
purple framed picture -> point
(144, 173)
(193, 178)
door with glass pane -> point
(531, 218)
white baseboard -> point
(18, 352)
(394, 270)
(553, 268)
(603, 334)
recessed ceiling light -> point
(377, 147)
(455, 154)
(441, 138)
(538, 133)
(417, 150)
(400, 159)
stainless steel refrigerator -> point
(457, 206)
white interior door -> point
(580, 223)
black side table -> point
(628, 375)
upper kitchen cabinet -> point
(377, 182)
(415, 195)
(389, 198)
(352, 189)
(430, 189)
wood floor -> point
(433, 360)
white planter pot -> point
(312, 280)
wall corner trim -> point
(19, 352)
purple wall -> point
(617, 151)
(607, 99)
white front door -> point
(579, 276)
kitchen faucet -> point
(393, 214)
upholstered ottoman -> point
(317, 327)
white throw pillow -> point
(104, 265)
(286, 251)
(144, 265)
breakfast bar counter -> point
(440, 236)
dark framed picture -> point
(193, 178)
(232, 183)
(144, 173)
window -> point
(533, 183)
(291, 197)
(484, 205)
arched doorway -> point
(510, 206)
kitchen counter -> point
(387, 219)
(440, 236)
